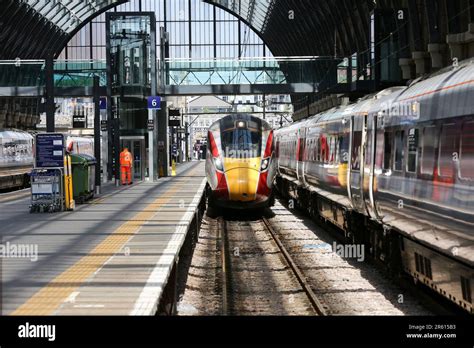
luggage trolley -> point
(47, 190)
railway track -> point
(285, 265)
(259, 276)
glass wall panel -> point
(177, 10)
(179, 17)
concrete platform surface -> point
(112, 256)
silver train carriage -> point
(395, 171)
(16, 158)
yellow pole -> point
(173, 168)
(70, 204)
(66, 183)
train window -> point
(422, 264)
(332, 150)
(301, 150)
(467, 151)
(387, 163)
(308, 150)
(399, 150)
(379, 149)
(356, 144)
(417, 262)
(368, 151)
(344, 148)
(428, 150)
(448, 148)
(324, 149)
(239, 140)
(317, 150)
(413, 135)
(466, 289)
(428, 270)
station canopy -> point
(34, 28)
(306, 27)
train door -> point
(301, 143)
(136, 145)
(368, 171)
(356, 159)
(277, 153)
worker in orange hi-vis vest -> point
(126, 162)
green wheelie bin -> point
(83, 177)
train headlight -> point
(218, 163)
(265, 164)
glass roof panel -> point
(69, 14)
(254, 12)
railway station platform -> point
(112, 256)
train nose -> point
(243, 184)
(243, 181)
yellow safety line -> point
(51, 296)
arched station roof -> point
(33, 28)
(306, 27)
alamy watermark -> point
(21, 251)
(28, 330)
(405, 109)
(345, 251)
(241, 154)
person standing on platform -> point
(126, 162)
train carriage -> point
(16, 158)
(404, 163)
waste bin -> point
(83, 177)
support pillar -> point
(163, 139)
(438, 54)
(97, 137)
(462, 44)
(420, 59)
(50, 106)
(151, 146)
(407, 67)
(186, 139)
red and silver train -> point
(240, 164)
(395, 172)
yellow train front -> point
(240, 163)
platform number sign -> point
(154, 103)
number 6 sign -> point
(154, 103)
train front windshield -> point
(242, 142)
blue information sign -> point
(154, 103)
(103, 103)
(49, 150)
